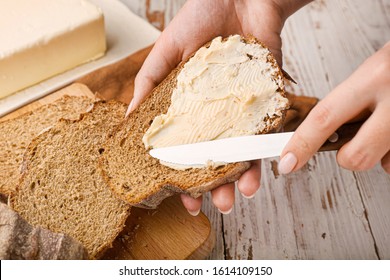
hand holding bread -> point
(200, 21)
(197, 23)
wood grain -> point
(157, 12)
(167, 232)
(374, 189)
(322, 211)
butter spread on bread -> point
(141, 180)
(224, 90)
(43, 38)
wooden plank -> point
(338, 36)
(168, 232)
(374, 187)
(215, 217)
(315, 213)
(159, 13)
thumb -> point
(164, 56)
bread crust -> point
(19, 240)
(165, 181)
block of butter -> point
(42, 38)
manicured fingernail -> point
(250, 196)
(287, 163)
(194, 213)
(226, 212)
(130, 108)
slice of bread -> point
(16, 134)
(61, 188)
(140, 179)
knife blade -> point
(226, 150)
(244, 148)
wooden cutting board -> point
(167, 232)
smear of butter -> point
(225, 90)
(209, 164)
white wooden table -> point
(322, 211)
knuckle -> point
(322, 117)
(356, 160)
(302, 145)
(381, 61)
(383, 68)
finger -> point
(191, 204)
(363, 115)
(386, 162)
(264, 25)
(341, 105)
(163, 57)
(370, 144)
(249, 182)
(223, 198)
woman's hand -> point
(198, 22)
(366, 90)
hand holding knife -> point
(244, 148)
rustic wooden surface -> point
(165, 233)
(168, 232)
(322, 211)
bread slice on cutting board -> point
(61, 188)
(142, 180)
(17, 133)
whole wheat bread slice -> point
(61, 188)
(140, 179)
(21, 241)
(16, 134)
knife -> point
(244, 148)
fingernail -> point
(225, 212)
(130, 108)
(287, 163)
(194, 213)
(250, 196)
